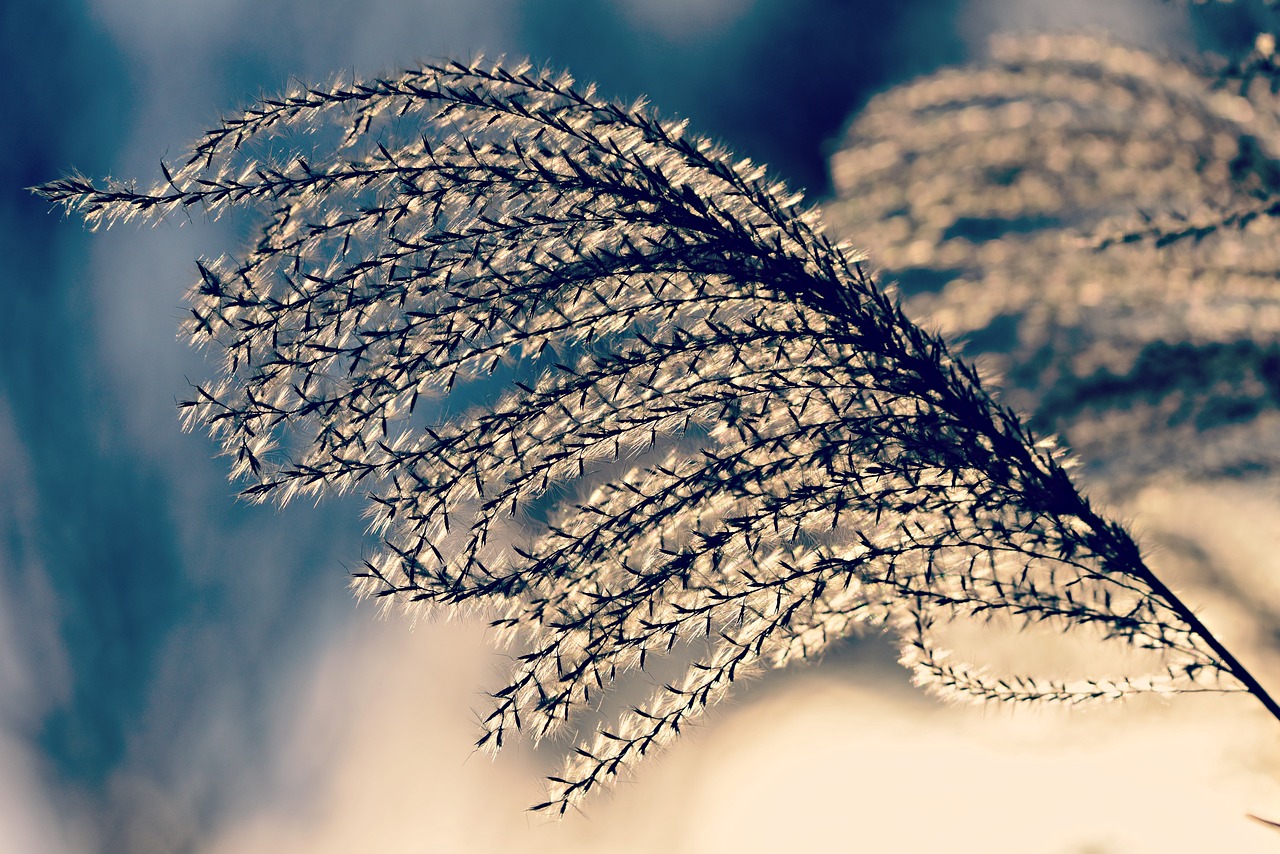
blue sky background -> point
(157, 637)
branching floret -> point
(712, 424)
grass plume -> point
(680, 409)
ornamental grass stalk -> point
(621, 392)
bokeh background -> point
(182, 672)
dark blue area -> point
(104, 529)
(922, 280)
(983, 229)
(111, 565)
(778, 85)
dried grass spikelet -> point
(992, 195)
(712, 422)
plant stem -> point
(1238, 670)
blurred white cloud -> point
(34, 672)
(29, 608)
(849, 764)
(1146, 23)
(34, 820)
(683, 20)
(373, 751)
(376, 750)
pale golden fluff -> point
(619, 389)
